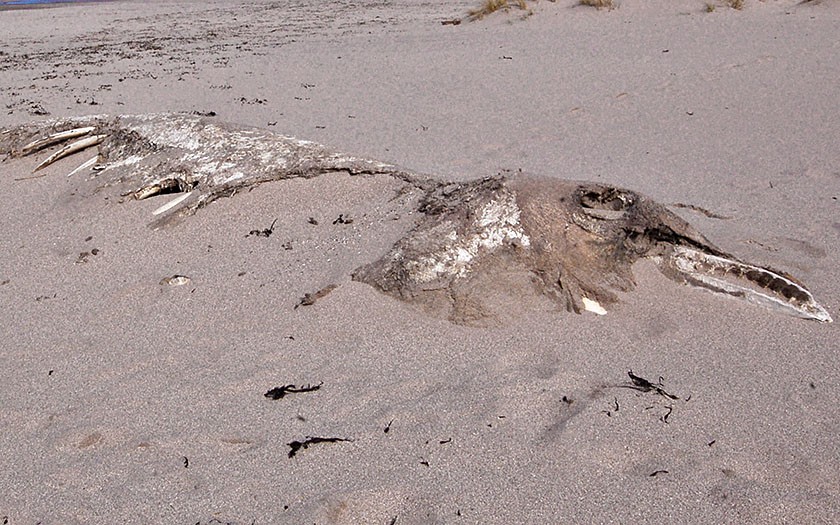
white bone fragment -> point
(171, 204)
(49, 140)
(70, 149)
(86, 164)
(593, 306)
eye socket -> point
(611, 199)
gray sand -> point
(127, 401)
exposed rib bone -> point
(70, 149)
(49, 140)
(86, 164)
(753, 283)
(171, 204)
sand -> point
(128, 401)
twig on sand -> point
(698, 209)
(309, 299)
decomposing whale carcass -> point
(574, 242)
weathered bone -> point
(163, 186)
(753, 283)
(473, 244)
(86, 164)
(70, 149)
(593, 306)
(171, 204)
(55, 138)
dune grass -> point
(491, 6)
(734, 4)
(599, 4)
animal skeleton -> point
(574, 242)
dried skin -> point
(573, 241)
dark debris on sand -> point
(279, 392)
(295, 446)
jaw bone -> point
(573, 242)
(761, 286)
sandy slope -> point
(127, 401)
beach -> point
(128, 399)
